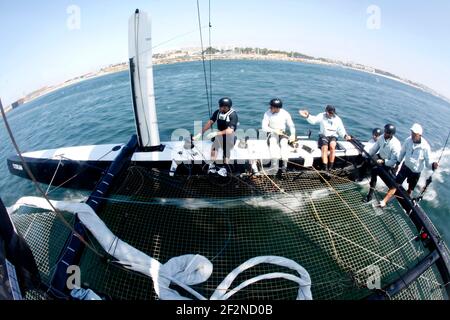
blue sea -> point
(99, 111)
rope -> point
(348, 206)
(177, 37)
(38, 187)
(81, 163)
(443, 149)
(210, 55)
(203, 59)
(54, 175)
(380, 257)
(341, 178)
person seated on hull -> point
(275, 121)
(416, 155)
(331, 127)
(387, 151)
(227, 122)
(376, 133)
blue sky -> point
(38, 49)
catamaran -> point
(157, 226)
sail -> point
(141, 73)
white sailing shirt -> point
(278, 121)
(329, 127)
(416, 155)
(388, 150)
(369, 146)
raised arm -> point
(311, 119)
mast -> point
(141, 76)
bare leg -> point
(332, 151)
(325, 155)
(389, 195)
(332, 155)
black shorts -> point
(406, 173)
(325, 141)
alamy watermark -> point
(74, 278)
(73, 21)
(374, 19)
(374, 277)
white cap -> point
(417, 128)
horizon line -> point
(102, 70)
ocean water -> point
(99, 111)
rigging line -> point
(77, 174)
(342, 178)
(443, 149)
(203, 58)
(210, 56)
(342, 237)
(335, 252)
(330, 231)
(177, 37)
(54, 175)
(348, 206)
(38, 187)
(338, 259)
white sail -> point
(141, 71)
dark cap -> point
(225, 102)
(330, 109)
(277, 103)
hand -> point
(380, 162)
(279, 132)
(304, 113)
(197, 137)
(435, 165)
(347, 137)
(292, 139)
(211, 135)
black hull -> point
(69, 174)
(84, 175)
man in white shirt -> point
(416, 155)
(331, 127)
(387, 150)
(275, 121)
(376, 133)
(366, 167)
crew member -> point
(331, 127)
(275, 121)
(387, 151)
(416, 155)
(227, 122)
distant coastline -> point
(195, 54)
